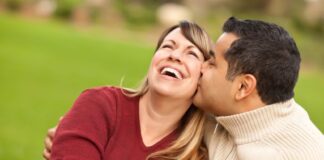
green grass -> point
(44, 67)
(309, 93)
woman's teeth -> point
(171, 72)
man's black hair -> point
(266, 51)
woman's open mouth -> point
(168, 71)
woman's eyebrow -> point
(170, 40)
(192, 46)
(174, 43)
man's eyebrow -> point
(212, 53)
(212, 59)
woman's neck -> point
(159, 116)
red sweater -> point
(103, 124)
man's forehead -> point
(224, 42)
(227, 38)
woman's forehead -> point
(174, 33)
(176, 36)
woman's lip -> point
(171, 72)
(182, 75)
(170, 77)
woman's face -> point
(175, 67)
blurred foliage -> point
(138, 13)
(13, 5)
(143, 12)
(246, 5)
(65, 8)
(316, 28)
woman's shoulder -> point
(111, 93)
(110, 89)
(103, 91)
(99, 89)
(99, 103)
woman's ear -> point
(246, 85)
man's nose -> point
(204, 66)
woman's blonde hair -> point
(189, 144)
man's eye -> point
(211, 62)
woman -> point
(158, 121)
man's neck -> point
(250, 103)
(250, 126)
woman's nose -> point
(176, 55)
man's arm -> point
(48, 143)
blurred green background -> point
(52, 50)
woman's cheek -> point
(197, 71)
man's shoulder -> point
(292, 143)
(281, 148)
(257, 150)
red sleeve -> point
(85, 130)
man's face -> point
(215, 93)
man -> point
(248, 86)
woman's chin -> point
(173, 92)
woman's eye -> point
(167, 46)
(194, 54)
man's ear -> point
(246, 85)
